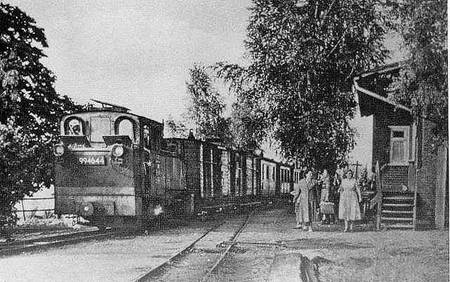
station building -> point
(413, 169)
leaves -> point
(29, 108)
(302, 61)
(206, 106)
(423, 83)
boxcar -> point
(285, 179)
(218, 177)
(268, 177)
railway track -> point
(232, 243)
(175, 263)
(18, 247)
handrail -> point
(374, 201)
(379, 197)
(415, 200)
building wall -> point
(382, 133)
(426, 174)
(426, 157)
(394, 177)
(441, 198)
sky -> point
(138, 53)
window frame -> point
(117, 126)
(106, 117)
(81, 122)
(406, 130)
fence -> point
(41, 204)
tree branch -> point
(337, 44)
(328, 10)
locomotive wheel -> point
(101, 227)
(100, 223)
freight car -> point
(114, 168)
(218, 178)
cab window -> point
(146, 136)
(100, 126)
(125, 127)
(73, 126)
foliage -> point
(206, 108)
(423, 83)
(29, 108)
(247, 124)
(303, 57)
(176, 128)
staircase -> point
(397, 210)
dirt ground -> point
(269, 249)
(392, 255)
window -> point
(399, 145)
(267, 172)
(73, 126)
(125, 126)
(263, 171)
(100, 126)
(146, 134)
(273, 173)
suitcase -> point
(327, 208)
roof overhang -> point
(370, 102)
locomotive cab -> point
(106, 166)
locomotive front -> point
(95, 167)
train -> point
(115, 168)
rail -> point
(150, 275)
(157, 273)
(214, 268)
(19, 247)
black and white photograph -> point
(224, 140)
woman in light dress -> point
(301, 200)
(350, 197)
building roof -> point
(370, 102)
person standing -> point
(350, 197)
(325, 192)
(302, 204)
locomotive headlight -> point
(58, 150)
(158, 210)
(117, 150)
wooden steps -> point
(397, 211)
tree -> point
(175, 128)
(206, 108)
(303, 56)
(423, 83)
(29, 108)
(248, 122)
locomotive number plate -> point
(92, 160)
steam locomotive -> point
(114, 168)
